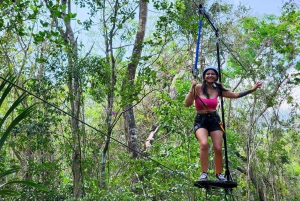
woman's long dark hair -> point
(215, 85)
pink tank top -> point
(211, 104)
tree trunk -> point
(129, 119)
(74, 90)
(149, 141)
(110, 96)
(75, 101)
(130, 130)
(253, 179)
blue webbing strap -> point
(195, 69)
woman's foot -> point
(203, 177)
(221, 177)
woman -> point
(205, 98)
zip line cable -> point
(92, 127)
(220, 39)
(104, 134)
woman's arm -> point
(190, 97)
(230, 94)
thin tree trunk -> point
(129, 119)
(149, 141)
(130, 130)
(75, 96)
(110, 59)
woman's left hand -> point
(257, 85)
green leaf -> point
(28, 183)
(8, 193)
(8, 88)
(17, 120)
(8, 172)
(12, 108)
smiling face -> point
(210, 76)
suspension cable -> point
(92, 127)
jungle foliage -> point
(82, 88)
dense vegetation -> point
(92, 99)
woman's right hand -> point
(194, 83)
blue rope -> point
(198, 43)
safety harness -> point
(196, 95)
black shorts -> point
(208, 121)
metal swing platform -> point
(215, 184)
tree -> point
(74, 82)
(265, 50)
(129, 81)
(6, 128)
(100, 98)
